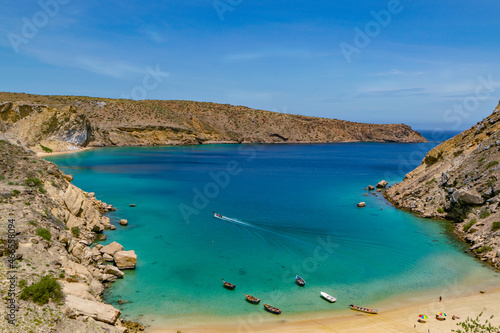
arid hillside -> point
(63, 123)
(458, 181)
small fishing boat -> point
(362, 309)
(132, 205)
(300, 281)
(329, 298)
(272, 309)
(251, 299)
(228, 285)
(218, 215)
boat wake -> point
(281, 236)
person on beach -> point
(440, 298)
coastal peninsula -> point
(66, 123)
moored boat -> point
(329, 298)
(362, 309)
(300, 281)
(272, 309)
(251, 299)
(228, 285)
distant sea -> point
(294, 212)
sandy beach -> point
(43, 154)
(397, 319)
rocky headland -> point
(458, 181)
(65, 123)
(49, 228)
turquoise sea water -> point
(297, 205)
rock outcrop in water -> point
(63, 123)
(52, 224)
(458, 181)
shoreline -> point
(43, 154)
(397, 318)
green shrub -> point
(431, 181)
(476, 325)
(440, 210)
(469, 225)
(484, 214)
(495, 226)
(490, 164)
(75, 231)
(32, 222)
(46, 149)
(41, 190)
(15, 193)
(32, 181)
(484, 249)
(44, 233)
(41, 292)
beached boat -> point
(329, 298)
(362, 309)
(300, 281)
(272, 309)
(228, 285)
(252, 299)
(218, 215)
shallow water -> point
(293, 211)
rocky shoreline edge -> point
(458, 181)
(48, 232)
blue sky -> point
(430, 64)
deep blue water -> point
(297, 205)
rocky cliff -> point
(458, 181)
(48, 227)
(63, 123)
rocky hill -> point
(63, 123)
(458, 181)
(48, 230)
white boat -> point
(218, 215)
(329, 298)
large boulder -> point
(113, 270)
(361, 204)
(99, 311)
(112, 248)
(467, 197)
(125, 259)
(382, 184)
(73, 200)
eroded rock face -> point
(125, 259)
